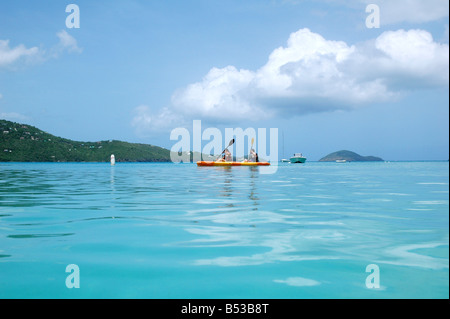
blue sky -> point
(135, 70)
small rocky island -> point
(348, 156)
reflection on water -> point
(227, 190)
(298, 223)
(112, 179)
(253, 190)
(221, 217)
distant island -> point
(25, 143)
(348, 156)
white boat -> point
(298, 158)
(284, 160)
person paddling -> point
(253, 156)
(226, 154)
(226, 157)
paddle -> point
(231, 143)
(253, 140)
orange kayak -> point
(211, 163)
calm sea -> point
(317, 230)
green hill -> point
(25, 143)
(349, 157)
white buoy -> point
(113, 159)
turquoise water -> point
(181, 231)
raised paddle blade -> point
(231, 143)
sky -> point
(322, 72)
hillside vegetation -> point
(25, 143)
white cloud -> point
(222, 92)
(13, 116)
(66, 43)
(9, 56)
(145, 121)
(142, 119)
(411, 11)
(414, 53)
(312, 74)
(394, 11)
